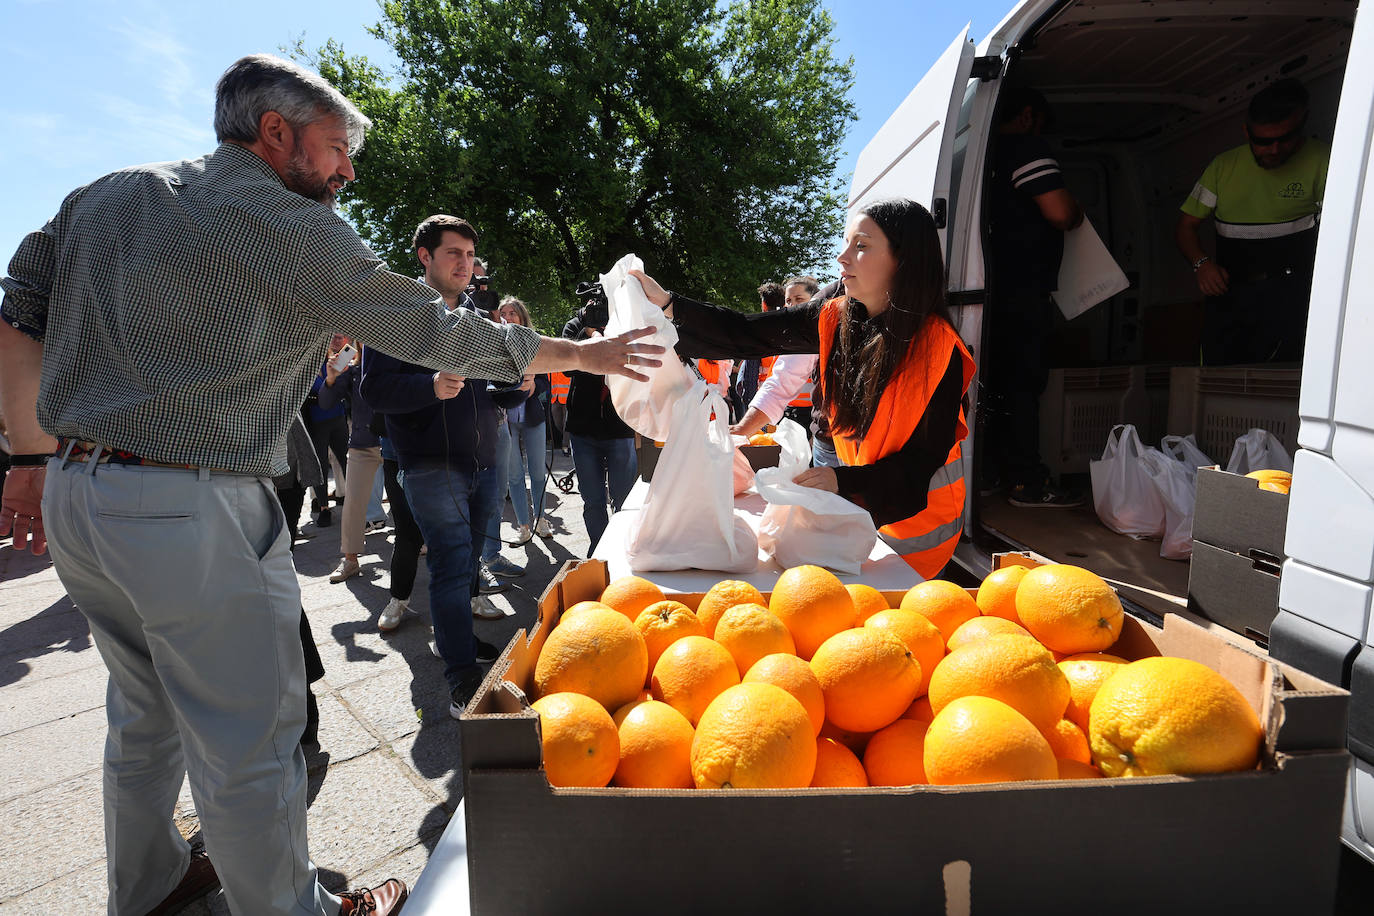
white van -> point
(1145, 93)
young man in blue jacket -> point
(444, 430)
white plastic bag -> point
(795, 447)
(688, 520)
(1185, 449)
(1124, 496)
(744, 471)
(646, 407)
(806, 526)
(1258, 450)
(1176, 484)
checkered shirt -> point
(185, 307)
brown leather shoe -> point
(382, 900)
(199, 880)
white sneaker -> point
(522, 534)
(543, 528)
(391, 615)
(485, 608)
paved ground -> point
(383, 785)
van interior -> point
(1144, 95)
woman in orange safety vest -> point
(892, 376)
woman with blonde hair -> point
(527, 438)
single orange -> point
(921, 636)
(691, 673)
(1016, 670)
(943, 603)
(721, 597)
(920, 710)
(581, 745)
(1069, 742)
(867, 602)
(796, 677)
(1069, 609)
(869, 678)
(753, 736)
(895, 756)
(582, 606)
(655, 747)
(631, 594)
(595, 652)
(855, 741)
(751, 631)
(997, 594)
(1168, 715)
(837, 767)
(814, 605)
(981, 628)
(664, 623)
(979, 740)
(1085, 673)
(1075, 769)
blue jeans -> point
(823, 454)
(375, 512)
(602, 464)
(532, 437)
(490, 548)
(452, 508)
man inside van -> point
(1030, 212)
(1263, 197)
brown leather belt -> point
(81, 451)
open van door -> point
(910, 155)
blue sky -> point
(95, 85)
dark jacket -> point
(346, 387)
(536, 405)
(590, 410)
(459, 432)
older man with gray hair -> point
(159, 334)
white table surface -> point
(884, 570)
(442, 886)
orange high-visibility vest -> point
(560, 383)
(926, 540)
(803, 398)
(766, 368)
(710, 370)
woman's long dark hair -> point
(866, 353)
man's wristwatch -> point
(29, 461)
(1200, 261)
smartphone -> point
(344, 357)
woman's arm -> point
(896, 487)
(713, 332)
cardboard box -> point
(1239, 592)
(1233, 513)
(1262, 841)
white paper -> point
(1088, 273)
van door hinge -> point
(937, 212)
(986, 68)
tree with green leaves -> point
(703, 138)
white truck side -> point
(1167, 84)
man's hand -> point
(618, 355)
(527, 385)
(331, 375)
(447, 385)
(1212, 279)
(819, 479)
(652, 291)
(21, 508)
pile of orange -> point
(823, 684)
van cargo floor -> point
(1076, 536)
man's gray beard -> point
(303, 181)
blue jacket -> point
(425, 431)
(345, 387)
